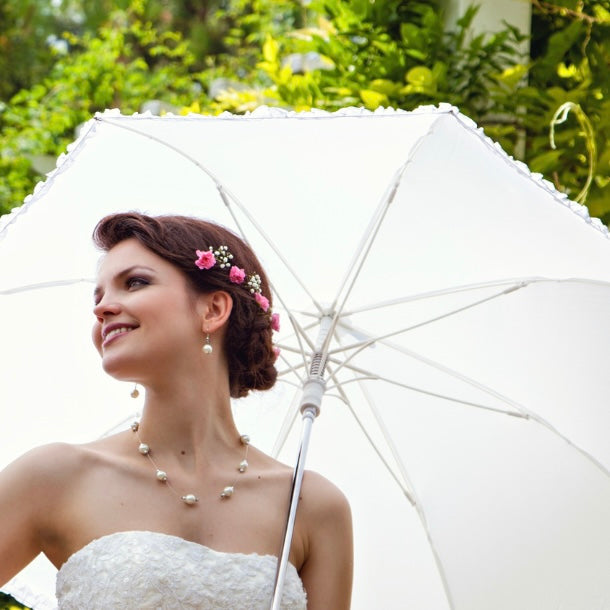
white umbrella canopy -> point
(466, 407)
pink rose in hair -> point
(206, 259)
(237, 275)
(275, 321)
(263, 301)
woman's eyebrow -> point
(97, 291)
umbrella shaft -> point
(309, 416)
(318, 361)
(313, 391)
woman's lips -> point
(114, 332)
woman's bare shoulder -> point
(320, 495)
(47, 459)
(48, 466)
(33, 491)
(327, 542)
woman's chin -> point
(118, 368)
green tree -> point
(25, 55)
(236, 54)
(126, 64)
(391, 53)
(571, 65)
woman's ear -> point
(215, 309)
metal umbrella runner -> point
(443, 308)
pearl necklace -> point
(191, 499)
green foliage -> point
(373, 54)
(392, 53)
(24, 53)
(571, 52)
(126, 64)
(238, 54)
(8, 603)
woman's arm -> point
(328, 568)
(28, 492)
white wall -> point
(492, 13)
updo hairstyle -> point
(248, 341)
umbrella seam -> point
(560, 198)
(63, 161)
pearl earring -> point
(207, 346)
(135, 392)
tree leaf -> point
(373, 99)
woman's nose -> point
(106, 307)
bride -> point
(178, 511)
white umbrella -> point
(465, 413)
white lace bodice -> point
(148, 570)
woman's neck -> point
(189, 419)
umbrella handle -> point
(309, 415)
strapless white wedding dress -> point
(147, 570)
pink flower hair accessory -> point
(237, 275)
(262, 300)
(221, 256)
(206, 259)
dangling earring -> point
(135, 392)
(207, 346)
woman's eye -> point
(135, 282)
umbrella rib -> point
(294, 384)
(374, 226)
(287, 424)
(452, 399)
(368, 375)
(384, 433)
(412, 493)
(361, 345)
(299, 332)
(438, 293)
(300, 335)
(414, 501)
(40, 285)
(523, 411)
(403, 485)
(369, 236)
(291, 368)
(225, 195)
(469, 287)
(361, 253)
(533, 416)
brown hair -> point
(248, 342)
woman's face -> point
(146, 314)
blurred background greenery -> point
(63, 60)
(8, 603)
